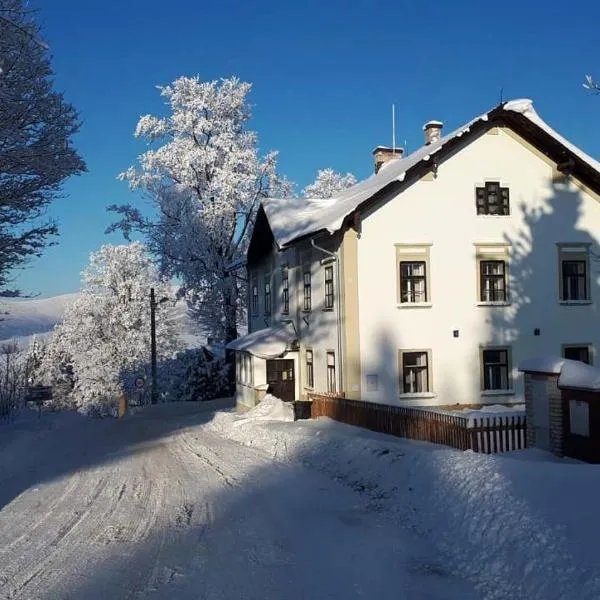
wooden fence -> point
(487, 434)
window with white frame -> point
(254, 285)
(267, 293)
(412, 272)
(414, 372)
(574, 272)
(492, 273)
(492, 278)
(331, 372)
(307, 288)
(285, 291)
(495, 367)
(329, 298)
(310, 373)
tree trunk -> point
(231, 332)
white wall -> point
(318, 328)
(443, 213)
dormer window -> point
(492, 199)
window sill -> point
(304, 310)
(326, 309)
(417, 395)
(414, 305)
(575, 302)
(502, 303)
(510, 392)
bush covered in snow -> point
(191, 375)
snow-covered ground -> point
(518, 525)
(161, 505)
(179, 501)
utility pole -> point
(153, 390)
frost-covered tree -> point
(204, 176)
(106, 331)
(591, 84)
(328, 183)
(36, 151)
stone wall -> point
(555, 407)
(557, 434)
(529, 408)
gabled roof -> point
(294, 218)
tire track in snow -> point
(212, 461)
(184, 520)
(69, 539)
(19, 517)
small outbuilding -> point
(562, 399)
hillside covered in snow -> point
(21, 319)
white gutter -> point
(335, 256)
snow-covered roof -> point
(291, 218)
(270, 342)
(578, 375)
(573, 374)
(550, 364)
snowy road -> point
(154, 506)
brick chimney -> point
(433, 131)
(383, 154)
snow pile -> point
(517, 528)
(270, 409)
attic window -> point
(492, 199)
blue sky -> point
(324, 73)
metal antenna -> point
(393, 128)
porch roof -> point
(270, 342)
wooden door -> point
(280, 378)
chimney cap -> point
(388, 150)
(433, 125)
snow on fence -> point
(486, 434)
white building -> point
(428, 282)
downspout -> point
(335, 256)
